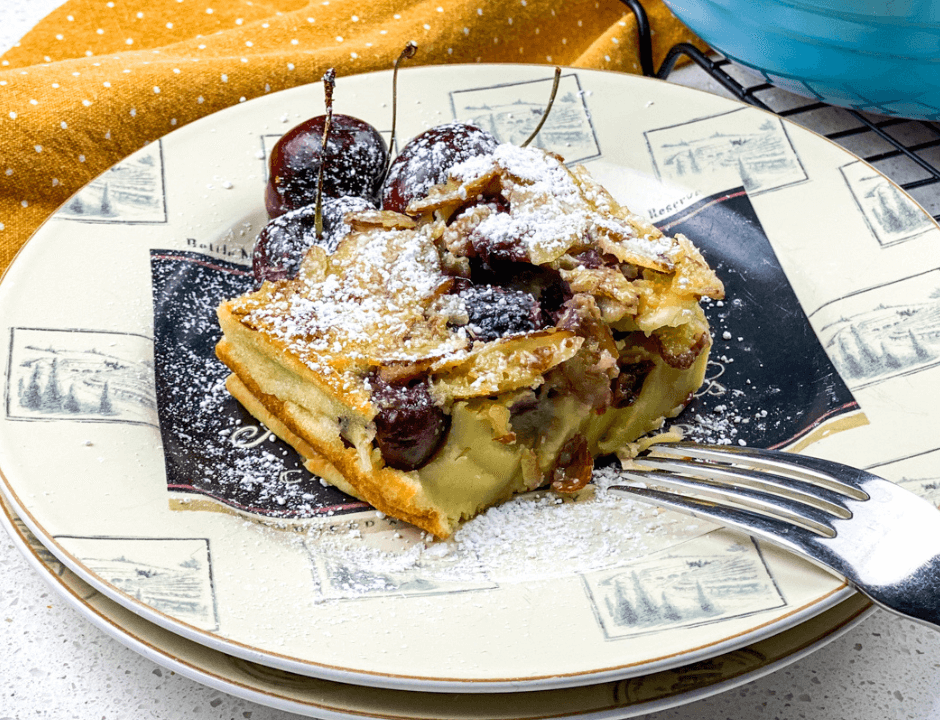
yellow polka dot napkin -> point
(98, 79)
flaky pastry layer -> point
(617, 340)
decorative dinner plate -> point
(328, 700)
(118, 439)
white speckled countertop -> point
(55, 664)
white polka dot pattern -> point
(96, 81)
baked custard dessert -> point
(514, 323)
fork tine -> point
(793, 538)
(803, 467)
(889, 548)
(795, 489)
(780, 508)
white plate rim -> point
(133, 638)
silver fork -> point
(882, 539)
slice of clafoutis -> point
(516, 324)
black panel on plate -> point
(770, 381)
(211, 444)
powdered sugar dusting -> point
(425, 159)
(213, 447)
(529, 165)
(534, 537)
(372, 301)
(551, 212)
(369, 307)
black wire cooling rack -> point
(907, 151)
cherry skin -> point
(427, 158)
(409, 426)
(495, 312)
(356, 156)
(283, 241)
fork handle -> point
(917, 597)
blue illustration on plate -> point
(130, 192)
(917, 473)
(926, 487)
(172, 575)
(368, 558)
(715, 577)
(80, 375)
(54, 565)
(511, 112)
(871, 341)
(891, 215)
(689, 678)
(754, 151)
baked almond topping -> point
(512, 324)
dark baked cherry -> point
(409, 426)
(626, 387)
(427, 157)
(574, 467)
(283, 241)
(496, 312)
(356, 157)
(494, 251)
(543, 283)
(554, 293)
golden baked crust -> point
(616, 340)
(384, 488)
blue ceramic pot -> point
(882, 57)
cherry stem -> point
(329, 84)
(408, 52)
(548, 108)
